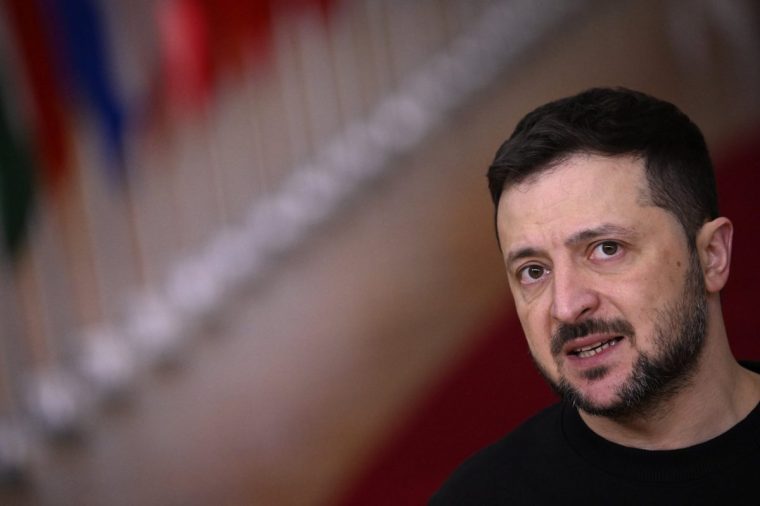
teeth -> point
(590, 351)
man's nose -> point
(574, 296)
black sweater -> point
(554, 458)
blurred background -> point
(247, 248)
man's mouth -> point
(593, 349)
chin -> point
(598, 392)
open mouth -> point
(590, 351)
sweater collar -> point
(663, 465)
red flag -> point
(240, 32)
(323, 6)
(185, 54)
(48, 115)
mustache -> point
(567, 332)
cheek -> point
(537, 330)
(532, 323)
(641, 303)
(662, 277)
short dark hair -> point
(617, 122)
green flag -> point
(16, 186)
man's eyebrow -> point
(606, 229)
(522, 253)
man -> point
(607, 218)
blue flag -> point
(85, 60)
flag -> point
(240, 33)
(324, 7)
(16, 186)
(85, 60)
(185, 54)
(48, 111)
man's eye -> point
(605, 250)
(531, 274)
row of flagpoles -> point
(156, 156)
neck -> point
(719, 395)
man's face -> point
(611, 300)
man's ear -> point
(714, 248)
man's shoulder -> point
(516, 456)
(522, 441)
